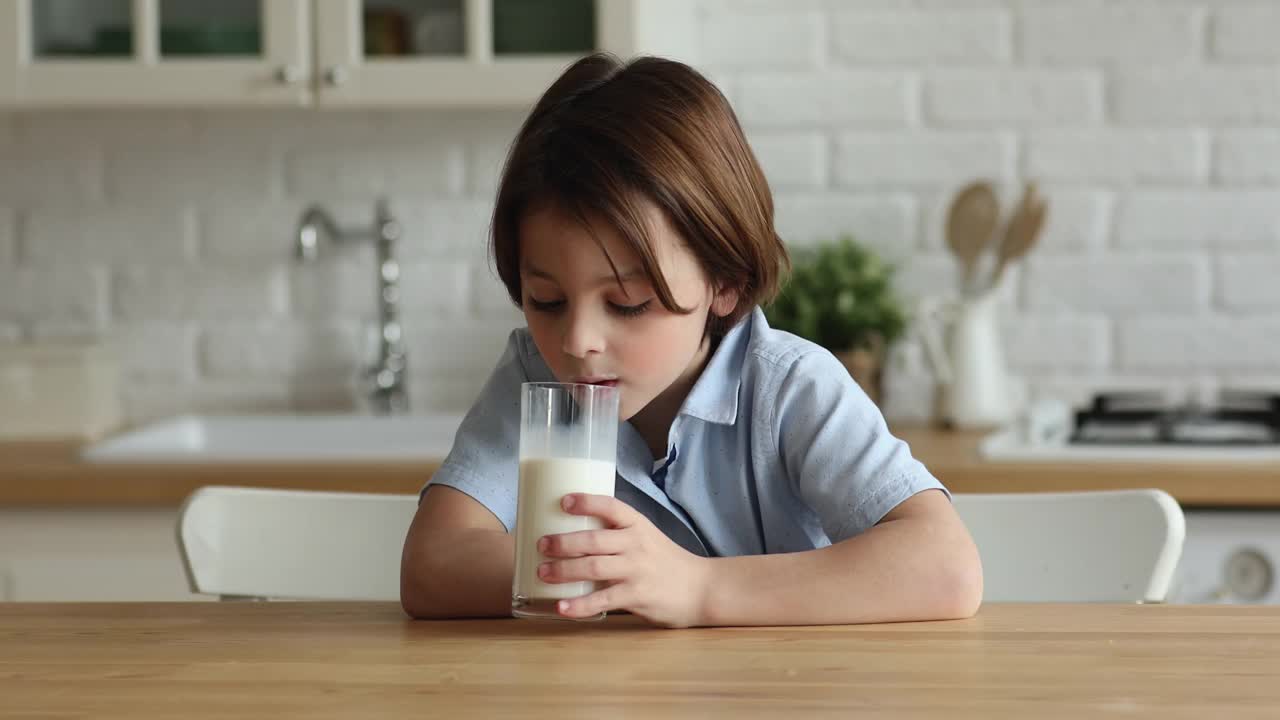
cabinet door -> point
(478, 53)
(108, 53)
(91, 554)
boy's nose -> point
(582, 335)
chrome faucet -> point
(388, 392)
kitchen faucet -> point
(388, 392)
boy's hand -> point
(638, 567)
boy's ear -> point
(724, 302)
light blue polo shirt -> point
(776, 449)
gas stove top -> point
(1145, 426)
(1140, 418)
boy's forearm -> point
(906, 569)
(466, 574)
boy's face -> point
(590, 329)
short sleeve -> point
(838, 453)
(483, 461)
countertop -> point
(51, 474)
(340, 660)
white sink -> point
(282, 438)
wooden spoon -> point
(1021, 233)
(971, 221)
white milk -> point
(543, 484)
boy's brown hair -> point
(607, 134)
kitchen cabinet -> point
(316, 53)
(111, 53)
(91, 554)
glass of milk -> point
(568, 444)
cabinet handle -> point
(288, 75)
(335, 76)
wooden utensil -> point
(1021, 233)
(971, 222)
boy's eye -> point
(546, 305)
(551, 306)
(630, 310)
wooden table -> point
(364, 660)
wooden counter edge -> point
(51, 474)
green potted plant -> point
(840, 295)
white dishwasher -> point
(1230, 556)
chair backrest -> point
(296, 544)
(1095, 546)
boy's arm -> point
(458, 559)
(917, 563)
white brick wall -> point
(1179, 94)
(796, 161)
(278, 349)
(1247, 32)
(765, 40)
(157, 352)
(1052, 342)
(454, 350)
(150, 170)
(160, 233)
(385, 164)
(982, 97)
(1120, 284)
(1199, 218)
(75, 296)
(1153, 128)
(933, 159)
(1248, 156)
(910, 36)
(887, 222)
(1122, 156)
(832, 99)
(146, 400)
(208, 293)
(1184, 344)
(437, 289)
(39, 171)
(239, 231)
(1140, 32)
(1248, 283)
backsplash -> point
(173, 234)
(1154, 128)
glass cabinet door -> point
(438, 28)
(426, 28)
(544, 27)
(159, 52)
(105, 28)
(79, 29)
(197, 28)
(449, 52)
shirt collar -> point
(714, 397)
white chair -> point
(1095, 546)
(249, 543)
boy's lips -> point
(597, 380)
